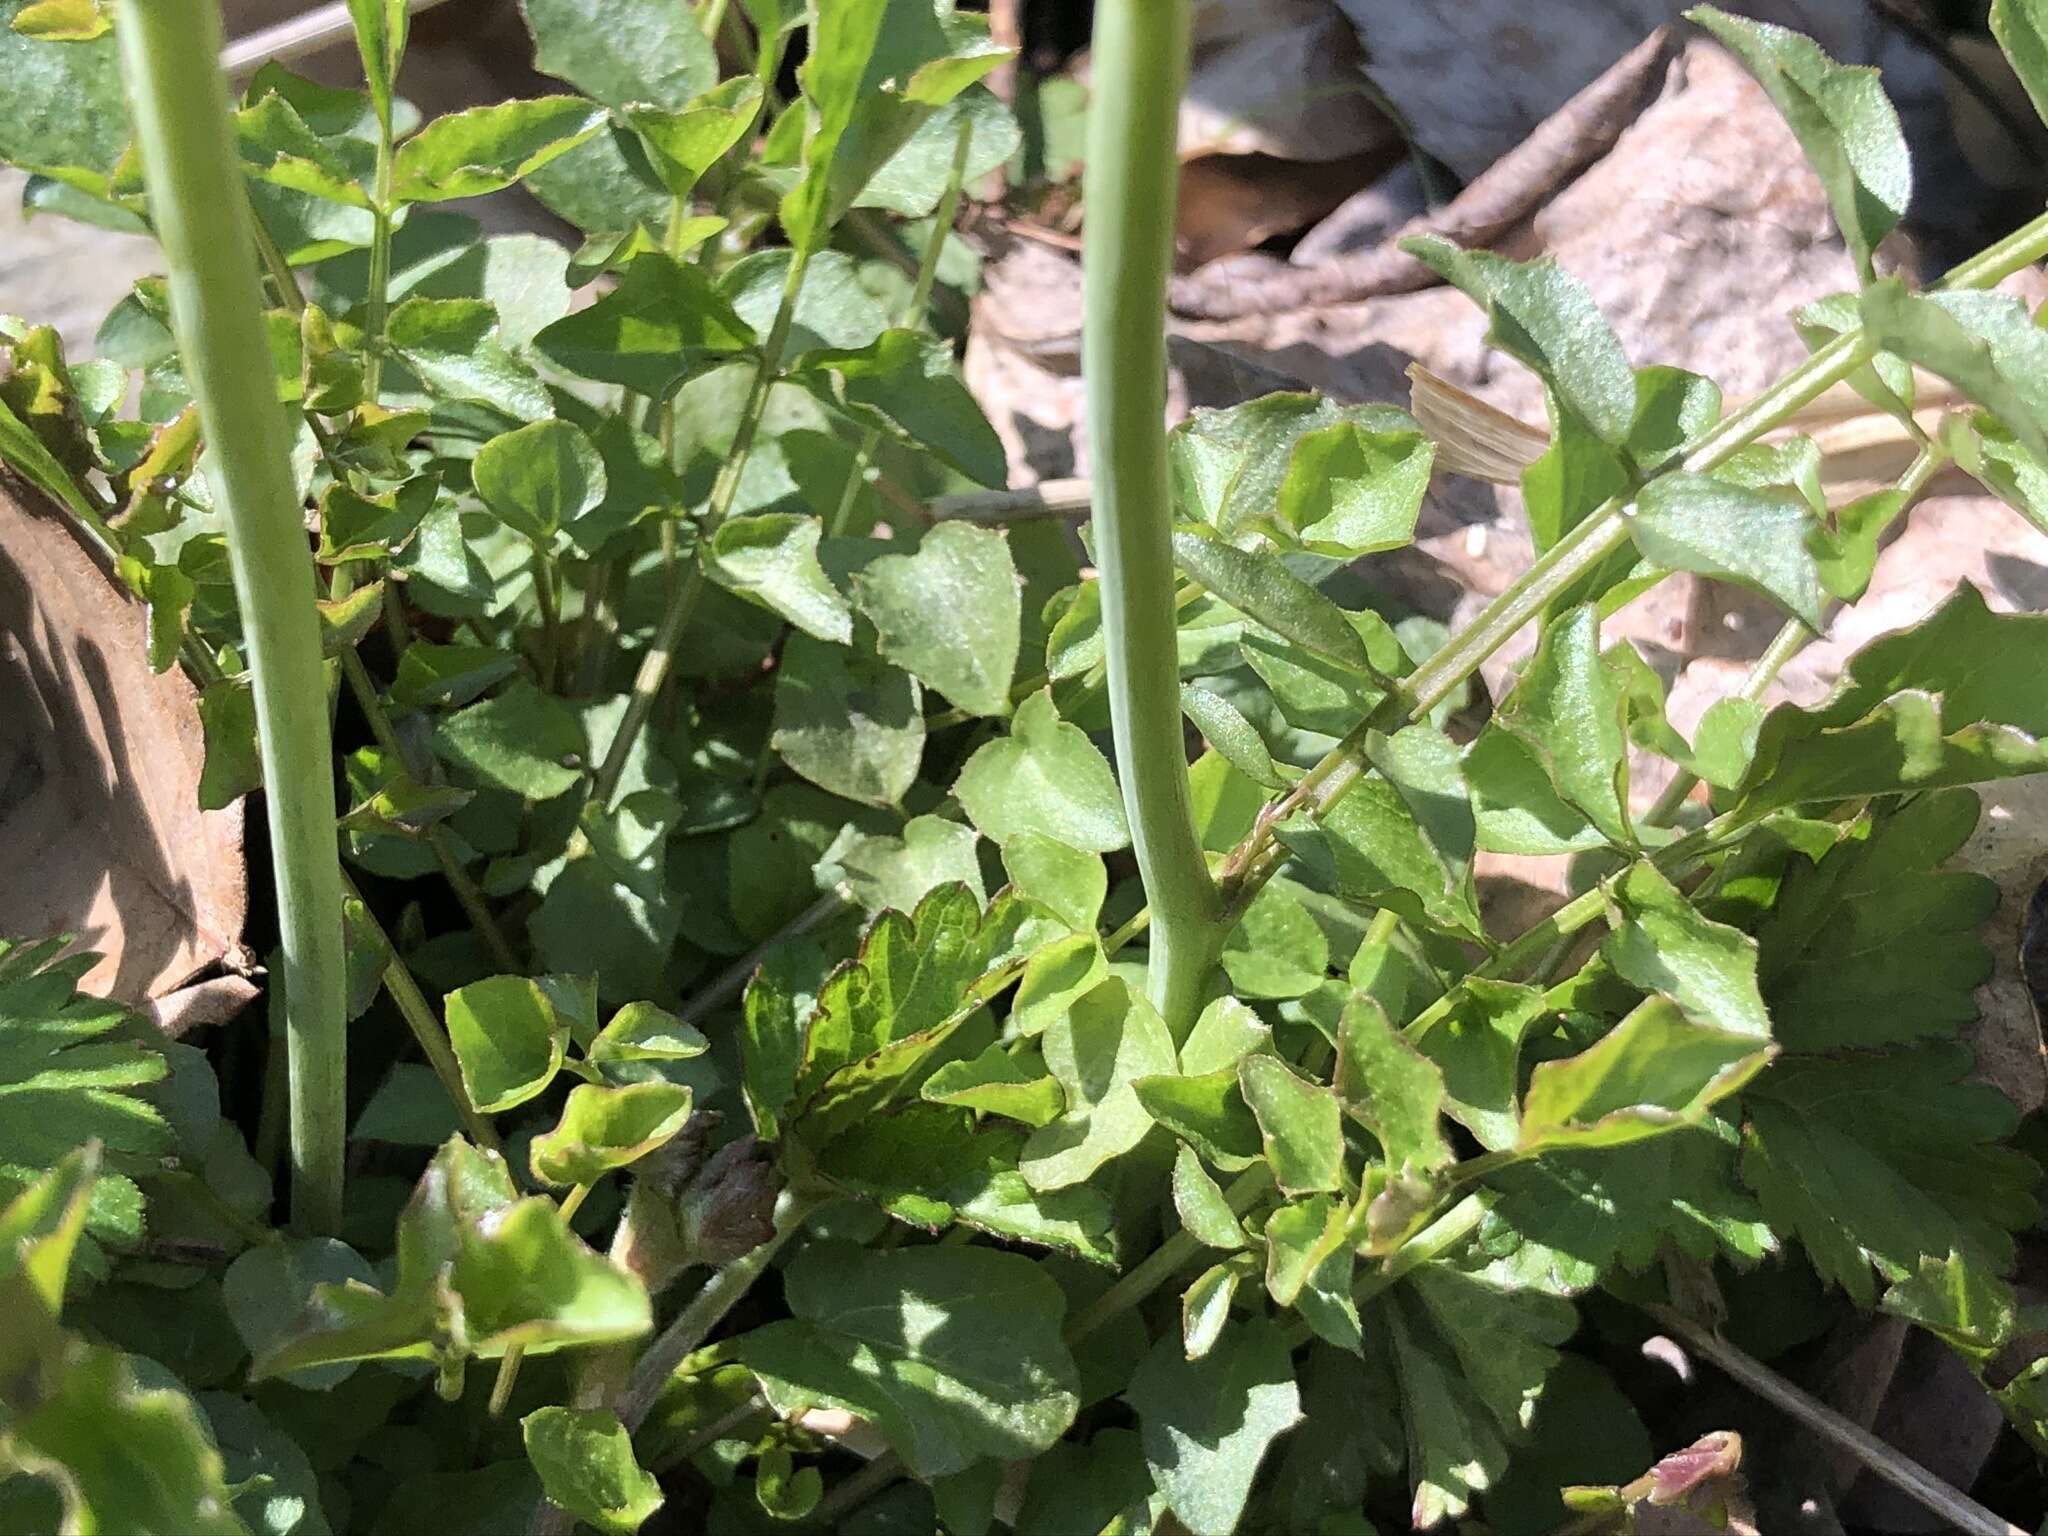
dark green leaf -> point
(663, 322)
(1207, 1424)
(522, 740)
(1259, 586)
(67, 111)
(541, 478)
(953, 1353)
(451, 345)
(848, 722)
(907, 381)
(430, 674)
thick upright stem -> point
(1140, 61)
(170, 52)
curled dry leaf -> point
(99, 775)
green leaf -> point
(522, 739)
(276, 146)
(1390, 1087)
(1877, 944)
(1276, 950)
(266, 1288)
(453, 346)
(1205, 1306)
(953, 1353)
(1545, 319)
(1478, 1043)
(993, 1083)
(883, 871)
(508, 1040)
(68, 112)
(480, 1271)
(381, 27)
(1758, 538)
(63, 21)
(663, 322)
(1055, 978)
(430, 674)
(1886, 1160)
(1471, 1358)
(1069, 882)
(1100, 1487)
(1959, 698)
(1369, 848)
(1662, 944)
(2021, 27)
(1354, 490)
(928, 1165)
(1515, 805)
(686, 143)
(907, 382)
(1986, 344)
(585, 1460)
(643, 1032)
(1207, 1111)
(1300, 1124)
(1208, 1423)
(1201, 1205)
(1096, 1050)
(1654, 1071)
(486, 149)
(1047, 777)
(1842, 119)
(849, 723)
(1567, 713)
(603, 1129)
(1309, 1266)
(622, 51)
(1231, 735)
(871, 87)
(950, 614)
(70, 1066)
(1260, 586)
(772, 557)
(540, 478)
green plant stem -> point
(1958, 1512)
(856, 1490)
(1140, 61)
(550, 616)
(1161, 1264)
(1791, 639)
(377, 297)
(170, 54)
(911, 318)
(654, 666)
(705, 1312)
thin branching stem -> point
(170, 53)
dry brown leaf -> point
(99, 775)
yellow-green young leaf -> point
(522, 739)
(684, 144)
(345, 620)
(1276, 950)
(1056, 977)
(772, 557)
(643, 1032)
(1389, 1087)
(1842, 118)
(358, 527)
(993, 1083)
(951, 614)
(1204, 1211)
(1762, 539)
(63, 21)
(954, 1354)
(2021, 27)
(1224, 1034)
(508, 1040)
(540, 478)
(454, 347)
(1046, 776)
(506, 1272)
(1478, 1044)
(1207, 1111)
(1662, 944)
(1068, 882)
(381, 27)
(879, 871)
(1960, 698)
(585, 1460)
(1257, 584)
(1299, 1123)
(848, 722)
(1986, 344)
(40, 1228)
(1353, 489)
(1205, 1307)
(276, 146)
(603, 1129)
(663, 322)
(1207, 1424)
(1653, 1072)
(1233, 736)
(908, 384)
(486, 149)
(1544, 318)
(1096, 1050)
